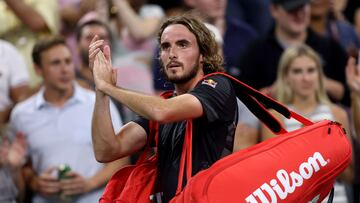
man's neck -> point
(305, 104)
(288, 39)
(186, 87)
(57, 97)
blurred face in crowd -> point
(87, 34)
(57, 68)
(303, 77)
(291, 22)
(212, 9)
(179, 54)
(320, 8)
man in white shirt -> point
(14, 79)
(57, 124)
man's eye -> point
(164, 47)
(182, 45)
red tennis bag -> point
(134, 183)
(298, 166)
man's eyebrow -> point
(164, 44)
(183, 41)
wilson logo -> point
(287, 183)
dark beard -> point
(184, 79)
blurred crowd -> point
(304, 53)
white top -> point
(321, 112)
(13, 72)
(246, 116)
(61, 135)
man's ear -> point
(201, 58)
(38, 70)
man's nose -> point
(172, 53)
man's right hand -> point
(46, 184)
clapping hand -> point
(100, 63)
(17, 151)
(13, 154)
(353, 76)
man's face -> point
(57, 68)
(87, 34)
(292, 22)
(320, 8)
(179, 54)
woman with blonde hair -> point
(300, 86)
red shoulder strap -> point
(258, 104)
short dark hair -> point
(44, 44)
(79, 28)
(213, 61)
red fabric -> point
(132, 183)
(294, 167)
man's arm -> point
(150, 107)
(107, 145)
(245, 136)
(132, 137)
(355, 108)
(139, 29)
(23, 11)
(334, 88)
(17, 94)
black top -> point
(258, 65)
(213, 133)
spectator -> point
(353, 81)
(259, 63)
(24, 22)
(300, 87)
(12, 158)
(57, 124)
(136, 23)
(324, 23)
(71, 11)
(14, 79)
(86, 31)
(236, 34)
(254, 12)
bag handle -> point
(154, 129)
(186, 156)
(258, 104)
